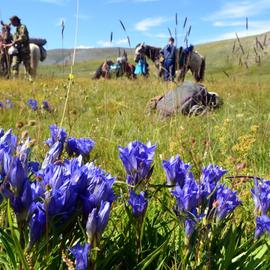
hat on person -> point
(14, 18)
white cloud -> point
(146, 24)
(119, 42)
(85, 47)
(239, 9)
(255, 28)
(229, 24)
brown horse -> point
(5, 38)
(194, 62)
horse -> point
(120, 68)
(6, 58)
(194, 61)
(5, 38)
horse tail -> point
(34, 58)
(98, 73)
(202, 70)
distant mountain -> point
(60, 56)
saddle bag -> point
(43, 53)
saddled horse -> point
(193, 61)
(6, 58)
(121, 68)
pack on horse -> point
(193, 61)
(119, 68)
(5, 38)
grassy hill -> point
(61, 56)
(223, 56)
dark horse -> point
(122, 67)
(5, 38)
(193, 61)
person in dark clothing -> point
(169, 54)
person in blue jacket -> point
(169, 54)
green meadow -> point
(114, 113)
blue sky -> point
(145, 20)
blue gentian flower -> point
(37, 222)
(2, 106)
(176, 171)
(9, 142)
(187, 197)
(210, 178)
(33, 104)
(9, 104)
(46, 106)
(17, 175)
(261, 196)
(138, 203)
(82, 146)
(187, 203)
(227, 201)
(137, 159)
(81, 256)
(262, 225)
(57, 134)
(97, 221)
(53, 154)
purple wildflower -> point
(137, 159)
(97, 221)
(82, 146)
(33, 104)
(261, 196)
(138, 203)
(176, 171)
(46, 106)
(57, 134)
(81, 256)
(227, 201)
(9, 104)
(262, 225)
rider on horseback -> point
(21, 43)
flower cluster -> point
(206, 198)
(137, 159)
(33, 104)
(261, 198)
(57, 191)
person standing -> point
(21, 43)
(169, 54)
